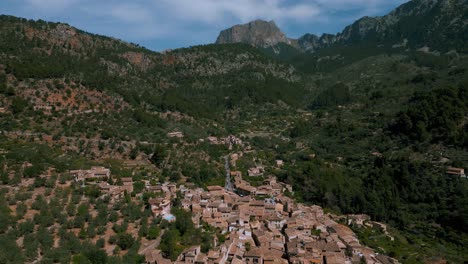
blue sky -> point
(166, 24)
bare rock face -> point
(258, 33)
(312, 43)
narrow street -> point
(228, 185)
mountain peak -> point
(258, 33)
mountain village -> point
(263, 147)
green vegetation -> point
(182, 234)
(336, 95)
(437, 116)
(409, 247)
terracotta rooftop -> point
(254, 252)
(214, 188)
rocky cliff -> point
(257, 33)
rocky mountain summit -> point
(257, 33)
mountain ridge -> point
(441, 21)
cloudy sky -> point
(164, 24)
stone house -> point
(93, 173)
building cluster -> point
(93, 173)
(229, 140)
(100, 176)
(161, 205)
(270, 186)
(175, 134)
(270, 230)
(117, 191)
(256, 171)
(261, 224)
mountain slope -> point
(440, 25)
(436, 26)
(85, 81)
(48, 50)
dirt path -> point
(151, 244)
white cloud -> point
(130, 13)
(200, 20)
(361, 7)
(50, 5)
(145, 19)
(215, 11)
(355, 4)
(210, 11)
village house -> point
(213, 140)
(115, 192)
(93, 173)
(236, 175)
(175, 134)
(254, 256)
(189, 255)
(159, 206)
(256, 171)
(234, 157)
(279, 163)
(299, 145)
(154, 257)
(358, 219)
(127, 181)
(106, 187)
(274, 222)
(155, 188)
(456, 171)
(264, 190)
(233, 140)
(216, 190)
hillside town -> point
(271, 230)
(261, 224)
